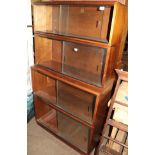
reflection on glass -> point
(44, 87)
(70, 99)
(85, 63)
(88, 22)
(75, 101)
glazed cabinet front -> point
(82, 62)
(65, 110)
(87, 22)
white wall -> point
(30, 53)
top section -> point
(49, 2)
(86, 22)
(96, 22)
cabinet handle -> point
(29, 26)
(75, 50)
(101, 8)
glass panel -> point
(44, 86)
(76, 101)
(84, 62)
(70, 99)
(74, 132)
(88, 22)
(65, 127)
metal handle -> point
(29, 26)
(75, 49)
(101, 8)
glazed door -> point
(75, 101)
(83, 62)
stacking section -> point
(78, 45)
(79, 61)
(64, 126)
(88, 22)
(63, 96)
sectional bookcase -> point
(78, 44)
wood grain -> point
(73, 82)
(42, 18)
(47, 50)
(86, 2)
(105, 23)
(119, 23)
(43, 49)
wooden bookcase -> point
(78, 44)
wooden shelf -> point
(48, 35)
(69, 80)
(49, 120)
(52, 65)
(49, 93)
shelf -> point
(49, 93)
(73, 82)
(103, 44)
(49, 120)
(55, 106)
(53, 65)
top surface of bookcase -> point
(85, 2)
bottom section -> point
(67, 128)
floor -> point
(41, 142)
